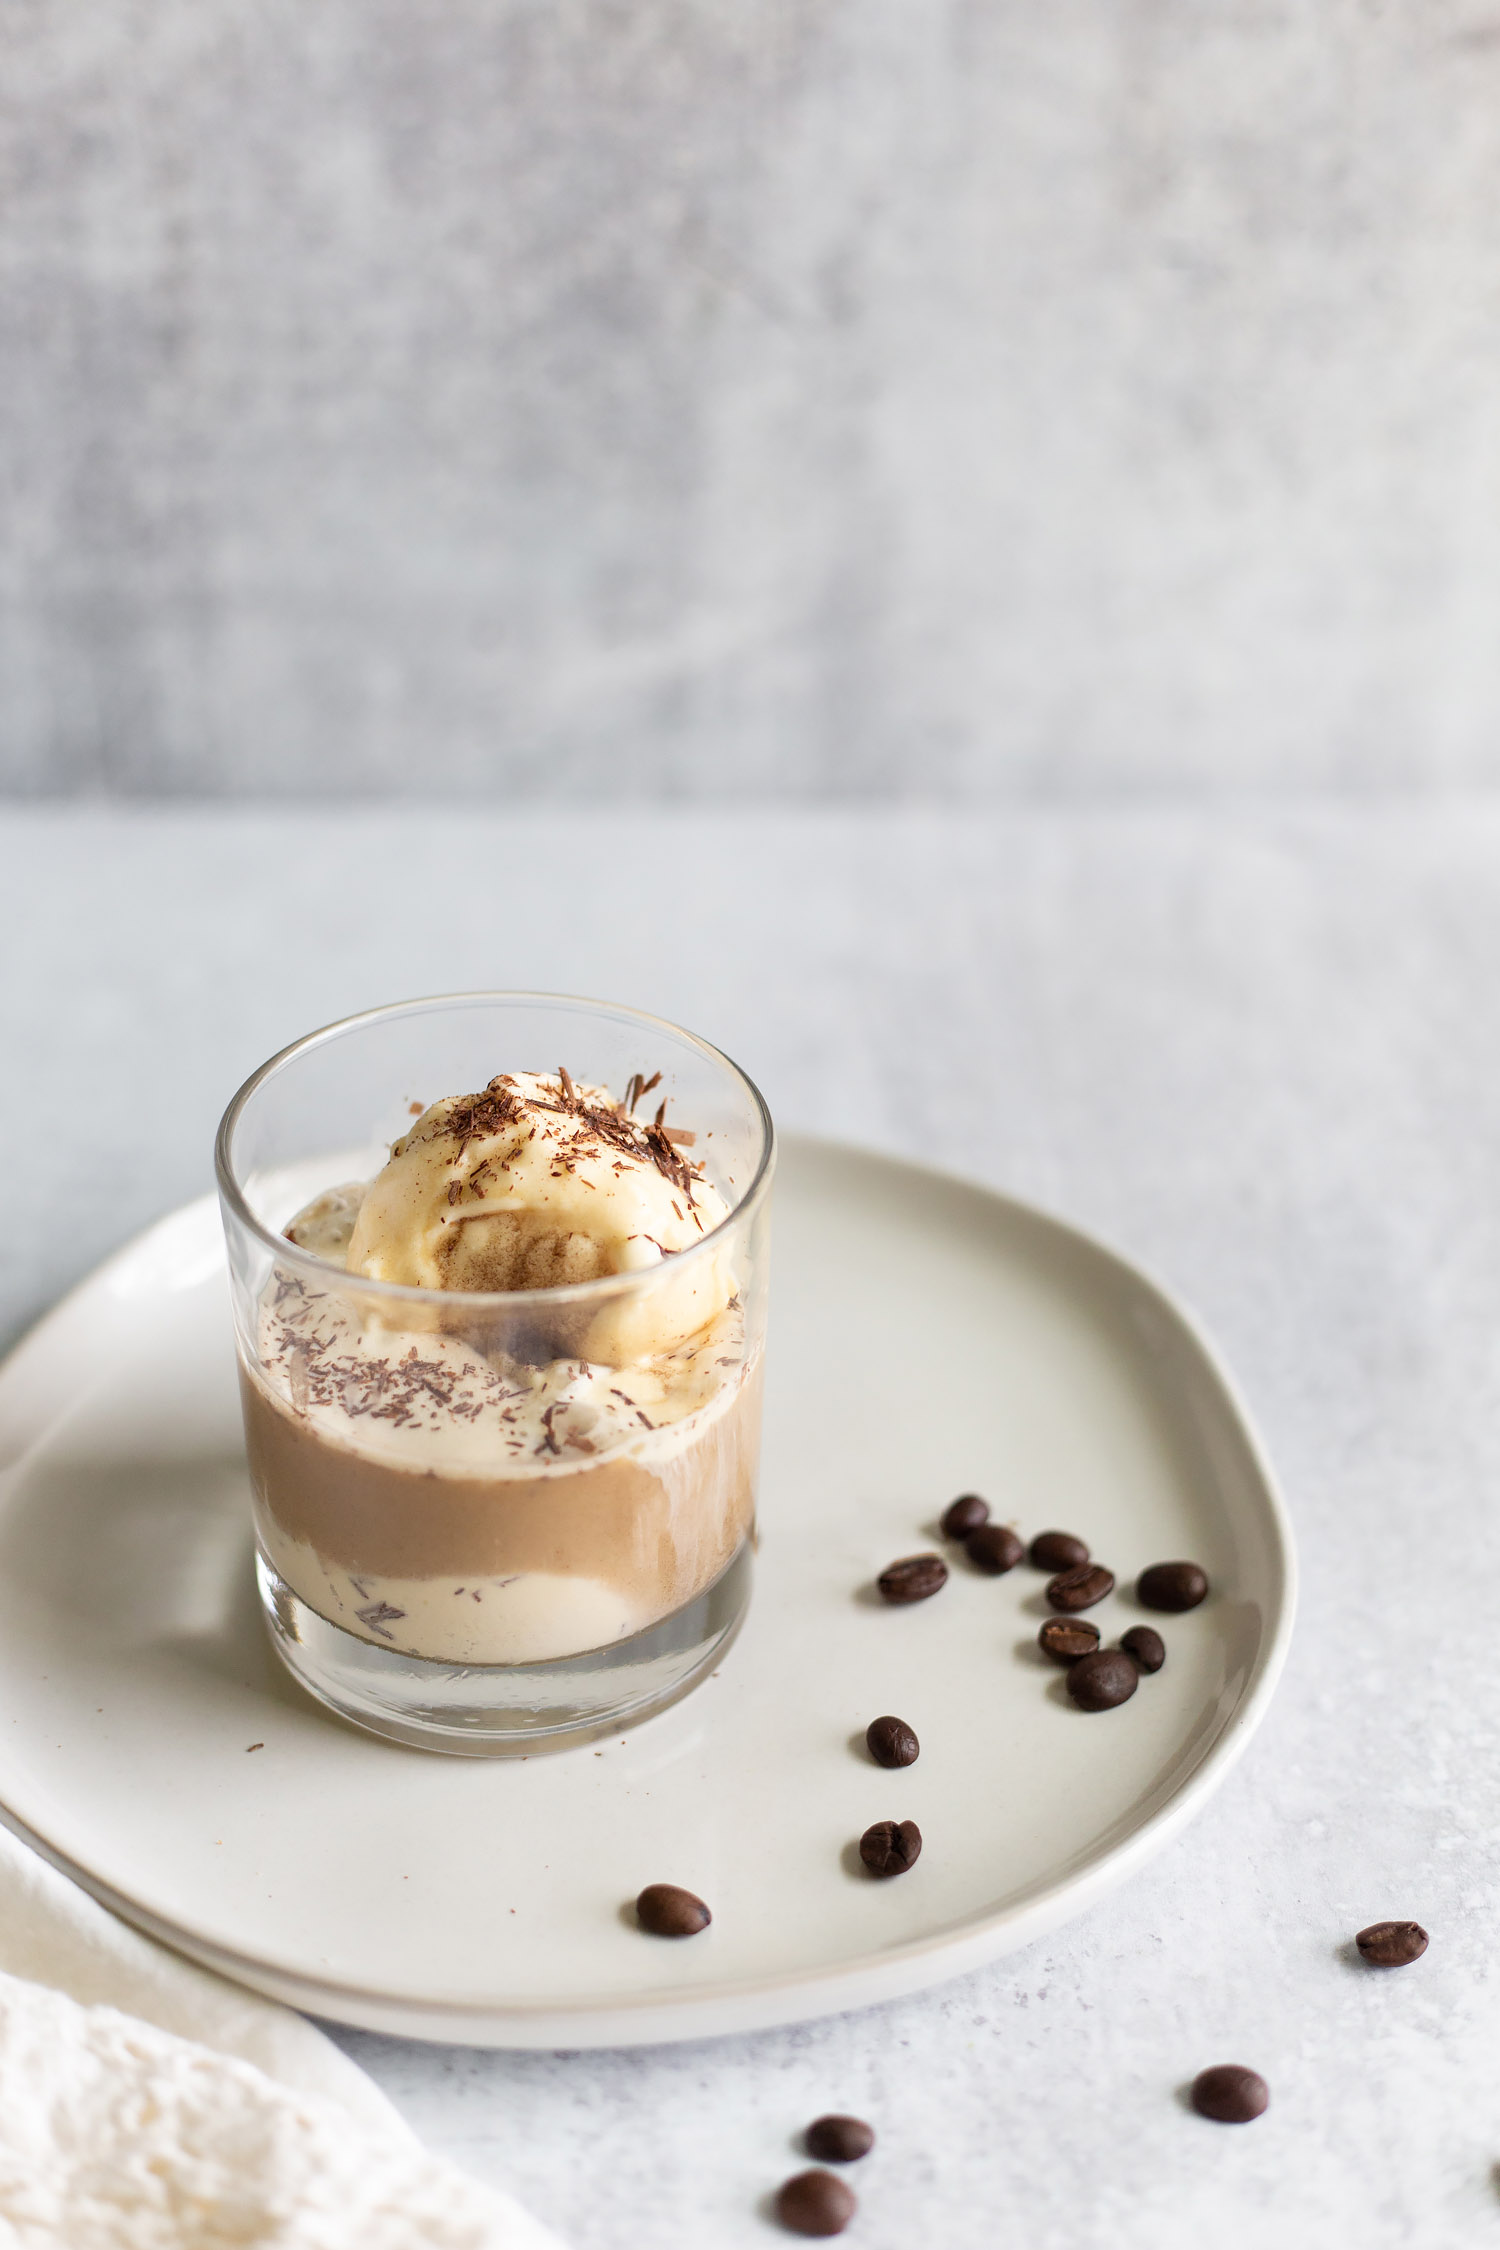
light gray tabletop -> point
(1256, 1048)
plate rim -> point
(804, 1994)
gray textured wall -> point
(810, 396)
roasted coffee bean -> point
(1081, 1588)
(891, 1846)
(1065, 1639)
(1100, 1681)
(815, 2203)
(913, 1579)
(963, 1515)
(839, 2140)
(891, 1743)
(1057, 1550)
(666, 1911)
(993, 1548)
(1230, 2094)
(1391, 1945)
(1171, 1585)
(1146, 1645)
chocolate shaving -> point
(637, 1087)
(672, 1166)
(377, 1615)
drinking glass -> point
(440, 1559)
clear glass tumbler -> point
(499, 1518)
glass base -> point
(504, 1710)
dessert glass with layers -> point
(515, 1512)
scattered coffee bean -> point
(1081, 1588)
(1146, 1645)
(913, 1579)
(839, 2140)
(666, 1911)
(891, 1847)
(993, 1548)
(1230, 2094)
(1057, 1550)
(1100, 1681)
(963, 1515)
(1391, 1945)
(891, 1743)
(815, 2203)
(1171, 1585)
(1065, 1639)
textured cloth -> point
(146, 2104)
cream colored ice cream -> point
(535, 1184)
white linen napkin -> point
(146, 2104)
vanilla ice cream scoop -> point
(536, 1183)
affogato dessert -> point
(522, 1467)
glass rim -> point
(478, 1302)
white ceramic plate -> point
(927, 1338)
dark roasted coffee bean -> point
(993, 1548)
(891, 1743)
(1391, 1945)
(815, 2203)
(1081, 1588)
(1230, 2094)
(963, 1515)
(1171, 1585)
(1065, 1639)
(1056, 1550)
(1146, 1645)
(891, 1846)
(666, 1911)
(839, 2140)
(913, 1578)
(1100, 1681)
